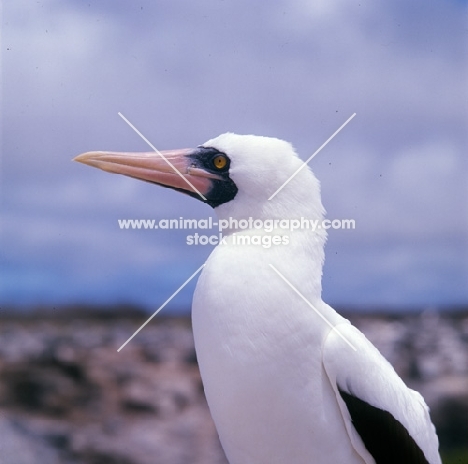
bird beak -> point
(172, 168)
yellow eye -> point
(219, 162)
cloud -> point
(183, 74)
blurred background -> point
(74, 285)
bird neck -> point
(281, 240)
(305, 223)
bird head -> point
(235, 174)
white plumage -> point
(271, 367)
(283, 386)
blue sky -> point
(184, 72)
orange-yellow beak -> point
(201, 172)
(176, 169)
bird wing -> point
(383, 417)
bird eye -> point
(219, 162)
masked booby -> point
(284, 386)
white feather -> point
(367, 375)
(269, 363)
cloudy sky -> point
(186, 71)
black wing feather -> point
(386, 439)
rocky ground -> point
(67, 396)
